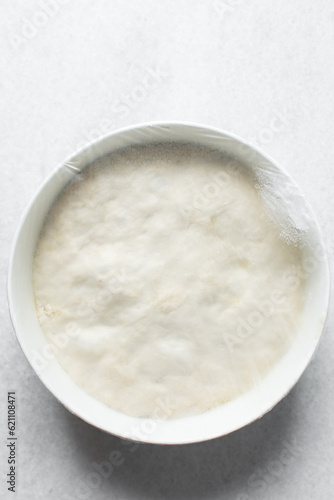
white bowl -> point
(229, 416)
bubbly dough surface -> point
(163, 284)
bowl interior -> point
(221, 420)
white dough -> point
(163, 283)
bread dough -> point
(159, 276)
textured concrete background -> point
(74, 70)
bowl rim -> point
(89, 146)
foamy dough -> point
(162, 283)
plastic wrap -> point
(284, 205)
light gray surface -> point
(263, 70)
